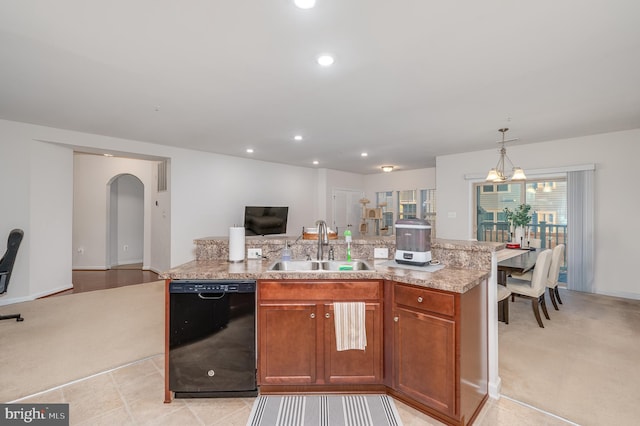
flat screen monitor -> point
(265, 220)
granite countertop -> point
(457, 280)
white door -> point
(346, 210)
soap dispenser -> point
(347, 238)
(286, 252)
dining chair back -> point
(541, 272)
(534, 289)
(554, 274)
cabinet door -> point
(425, 358)
(354, 366)
(287, 343)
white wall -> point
(91, 185)
(399, 181)
(50, 221)
(210, 191)
(35, 182)
(615, 156)
(15, 165)
(336, 180)
(207, 195)
(160, 230)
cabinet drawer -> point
(425, 300)
(320, 290)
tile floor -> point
(133, 395)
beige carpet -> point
(582, 366)
(74, 336)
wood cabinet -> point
(296, 335)
(287, 343)
(438, 350)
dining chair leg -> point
(505, 311)
(555, 290)
(552, 296)
(536, 311)
(543, 304)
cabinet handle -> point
(420, 299)
(395, 319)
(327, 315)
(312, 316)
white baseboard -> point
(89, 268)
(31, 297)
(152, 269)
(10, 301)
(622, 295)
(495, 388)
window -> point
(548, 200)
(385, 201)
(407, 206)
(428, 208)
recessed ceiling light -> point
(297, 137)
(325, 60)
(364, 154)
(249, 150)
(305, 4)
(387, 168)
(108, 155)
(316, 162)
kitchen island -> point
(426, 331)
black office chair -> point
(6, 266)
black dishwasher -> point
(212, 342)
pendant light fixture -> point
(497, 174)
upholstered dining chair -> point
(557, 258)
(6, 266)
(554, 274)
(534, 289)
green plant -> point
(520, 216)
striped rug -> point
(324, 410)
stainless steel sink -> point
(343, 265)
(320, 266)
(296, 265)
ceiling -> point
(412, 79)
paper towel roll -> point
(236, 244)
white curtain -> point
(580, 244)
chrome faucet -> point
(323, 237)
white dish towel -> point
(351, 331)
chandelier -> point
(497, 174)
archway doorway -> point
(125, 225)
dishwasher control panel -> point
(212, 286)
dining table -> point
(510, 261)
(515, 260)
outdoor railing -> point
(549, 234)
